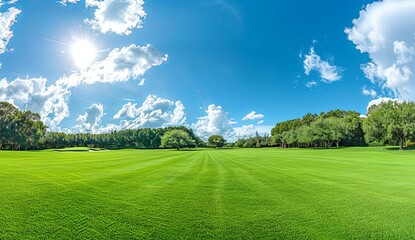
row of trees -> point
(145, 138)
(19, 129)
(386, 123)
(335, 127)
(25, 130)
(254, 142)
(390, 123)
(322, 132)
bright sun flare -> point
(83, 53)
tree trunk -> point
(401, 145)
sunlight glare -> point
(83, 53)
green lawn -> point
(355, 193)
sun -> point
(83, 53)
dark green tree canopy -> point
(216, 141)
(19, 129)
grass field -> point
(354, 193)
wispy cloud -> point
(327, 71)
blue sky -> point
(217, 66)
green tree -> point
(257, 140)
(19, 128)
(289, 138)
(305, 135)
(391, 121)
(216, 141)
(337, 129)
(322, 132)
(176, 139)
(239, 143)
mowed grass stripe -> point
(359, 193)
(345, 193)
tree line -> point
(144, 138)
(24, 130)
(387, 123)
(391, 123)
(334, 128)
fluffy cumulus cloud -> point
(64, 2)
(90, 122)
(247, 131)
(116, 16)
(32, 94)
(385, 31)
(154, 112)
(253, 116)
(216, 121)
(328, 72)
(52, 101)
(7, 20)
(119, 66)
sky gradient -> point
(219, 67)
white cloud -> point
(32, 94)
(216, 121)
(385, 30)
(247, 131)
(328, 72)
(119, 66)
(380, 100)
(7, 20)
(117, 16)
(2, 2)
(52, 101)
(64, 2)
(154, 112)
(369, 92)
(253, 116)
(109, 128)
(129, 110)
(260, 122)
(90, 122)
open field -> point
(349, 193)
